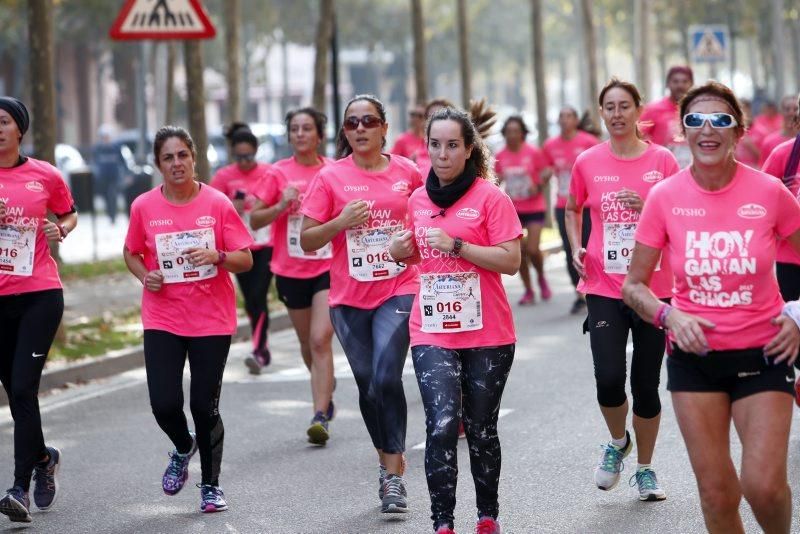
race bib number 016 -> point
(368, 254)
(450, 302)
(294, 225)
(17, 248)
(174, 265)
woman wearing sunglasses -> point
(357, 203)
(238, 181)
(301, 278)
(612, 179)
(718, 223)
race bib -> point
(17, 248)
(293, 228)
(518, 185)
(564, 178)
(368, 254)
(260, 236)
(450, 302)
(174, 265)
(619, 240)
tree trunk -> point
(420, 72)
(778, 46)
(169, 110)
(43, 104)
(83, 64)
(463, 52)
(591, 48)
(641, 46)
(321, 44)
(232, 24)
(193, 58)
(538, 69)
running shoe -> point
(177, 472)
(544, 287)
(45, 483)
(16, 505)
(487, 525)
(395, 498)
(257, 361)
(445, 530)
(212, 499)
(647, 483)
(797, 391)
(381, 479)
(607, 473)
(318, 431)
(527, 298)
(330, 413)
(578, 306)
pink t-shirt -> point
(763, 126)
(746, 155)
(660, 123)
(410, 146)
(597, 176)
(362, 273)
(560, 154)
(201, 301)
(484, 216)
(520, 171)
(768, 145)
(29, 191)
(775, 166)
(230, 179)
(722, 249)
(288, 259)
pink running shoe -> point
(527, 299)
(487, 525)
(445, 530)
(546, 293)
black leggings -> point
(447, 378)
(255, 286)
(28, 324)
(608, 323)
(165, 355)
(586, 229)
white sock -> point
(620, 442)
(639, 467)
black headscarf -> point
(446, 196)
(18, 112)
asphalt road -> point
(551, 430)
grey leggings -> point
(376, 343)
(447, 379)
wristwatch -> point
(457, 244)
(222, 257)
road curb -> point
(122, 360)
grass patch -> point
(90, 269)
(98, 336)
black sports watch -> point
(457, 244)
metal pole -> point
(141, 104)
(335, 76)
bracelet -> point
(661, 316)
(62, 230)
(457, 244)
(222, 257)
(792, 311)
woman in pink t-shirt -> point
(357, 203)
(519, 167)
(31, 303)
(302, 278)
(464, 234)
(238, 181)
(613, 179)
(732, 348)
(184, 240)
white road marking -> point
(503, 412)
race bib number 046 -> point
(450, 302)
(174, 265)
(368, 254)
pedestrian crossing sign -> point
(162, 19)
(709, 43)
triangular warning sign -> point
(162, 19)
(709, 47)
